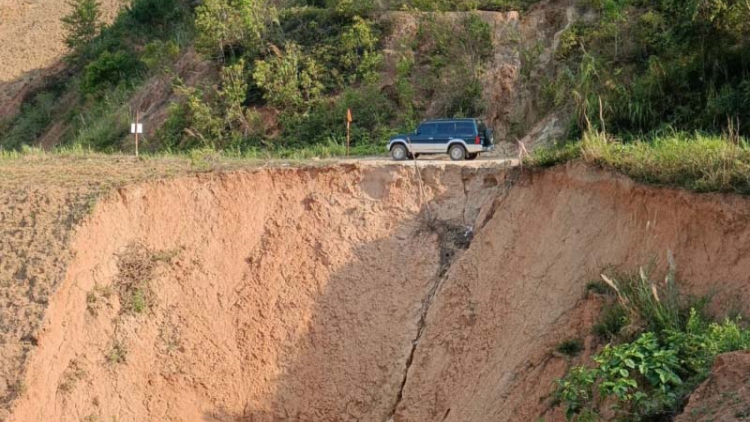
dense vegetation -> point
(282, 75)
(283, 72)
(684, 64)
(661, 347)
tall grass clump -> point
(699, 162)
(666, 347)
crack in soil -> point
(452, 239)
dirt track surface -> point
(347, 292)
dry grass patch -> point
(73, 373)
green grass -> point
(201, 157)
(698, 162)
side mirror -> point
(416, 132)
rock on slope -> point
(355, 293)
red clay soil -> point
(725, 395)
(354, 293)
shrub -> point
(651, 375)
(108, 70)
(289, 79)
(227, 24)
(358, 56)
(157, 13)
(160, 56)
(31, 122)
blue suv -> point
(461, 139)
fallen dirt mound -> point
(354, 293)
(725, 396)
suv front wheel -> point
(457, 152)
(399, 153)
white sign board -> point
(136, 128)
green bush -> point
(650, 375)
(231, 25)
(289, 79)
(157, 14)
(31, 123)
(373, 116)
(104, 124)
(160, 56)
(108, 71)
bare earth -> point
(355, 291)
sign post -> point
(348, 128)
(136, 129)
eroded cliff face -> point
(355, 292)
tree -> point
(82, 24)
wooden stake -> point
(137, 117)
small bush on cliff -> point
(651, 375)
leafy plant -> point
(289, 79)
(226, 25)
(160, 56)
(650, 375)
(108, 70)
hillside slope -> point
(392, 68)
(31, 45)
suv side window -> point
(446, 128)
(427, 129)
(465, 128)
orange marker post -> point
(349, 121)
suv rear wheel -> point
(457, 152)
(399, 153)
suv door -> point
(425, 136)
(445, 132)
